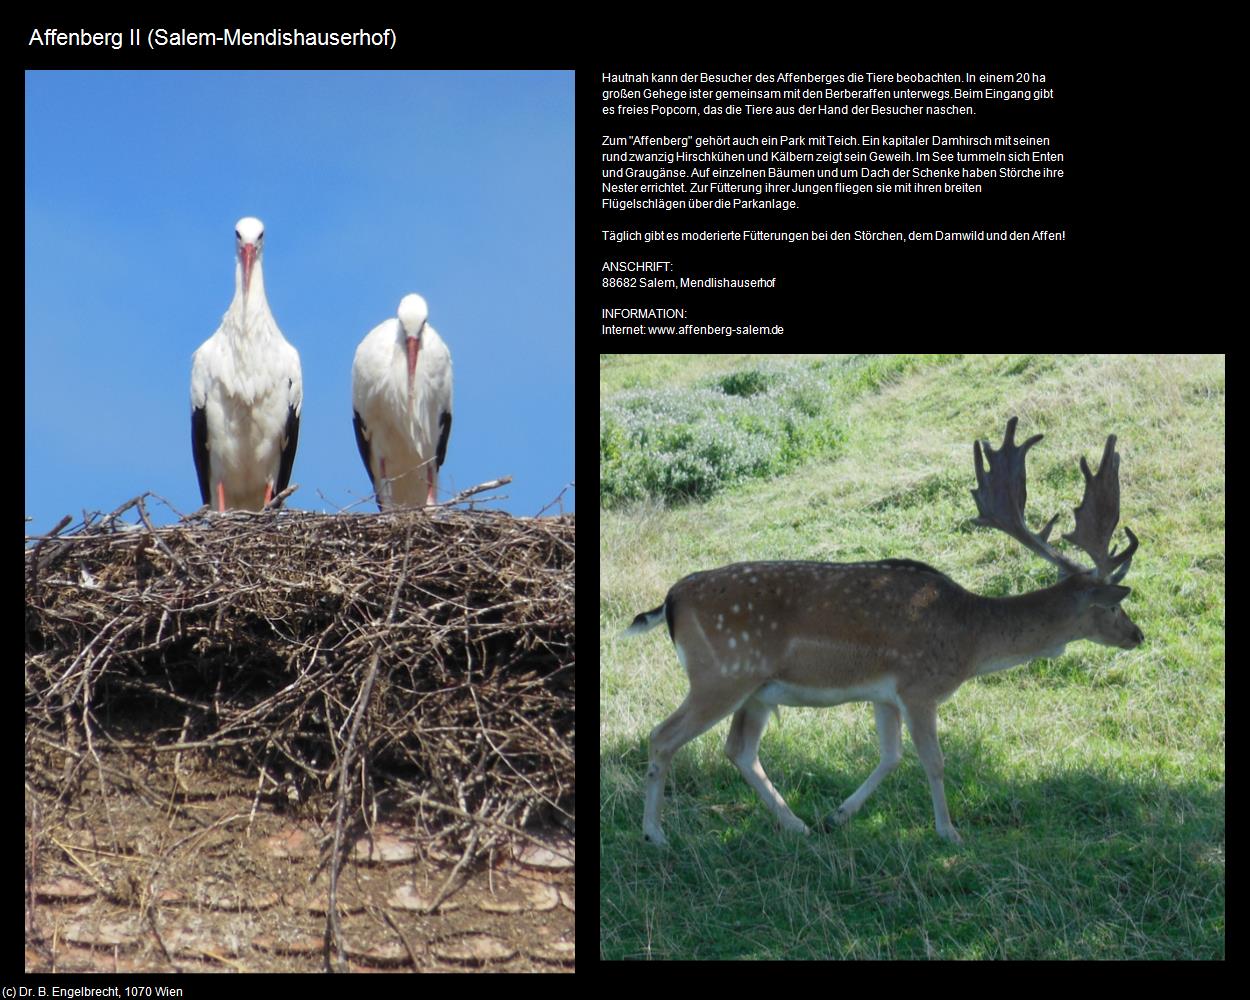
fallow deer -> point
(755, 635)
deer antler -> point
(1001, 494)
(1098, 514)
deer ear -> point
(1101, 595)
(1108, 595)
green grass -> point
(681, 439)
(1089, 789)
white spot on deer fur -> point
(746, 637)
(736, 609)
(732, 642)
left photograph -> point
(299, 585)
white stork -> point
(246, 392)
(401, 398)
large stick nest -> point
(413, 660)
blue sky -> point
(370, 185)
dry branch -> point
(247, 639)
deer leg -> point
(693, 717)
(743, 748)
(889, 740)
(922, 722)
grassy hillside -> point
(1089, 788)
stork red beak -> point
(414, 348)
(248, 257)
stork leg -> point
(430, 499)
(268, 494)
(221, 497)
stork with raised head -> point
(246, 392)
(401, 398)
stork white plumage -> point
(246, 392)
(401, 398)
